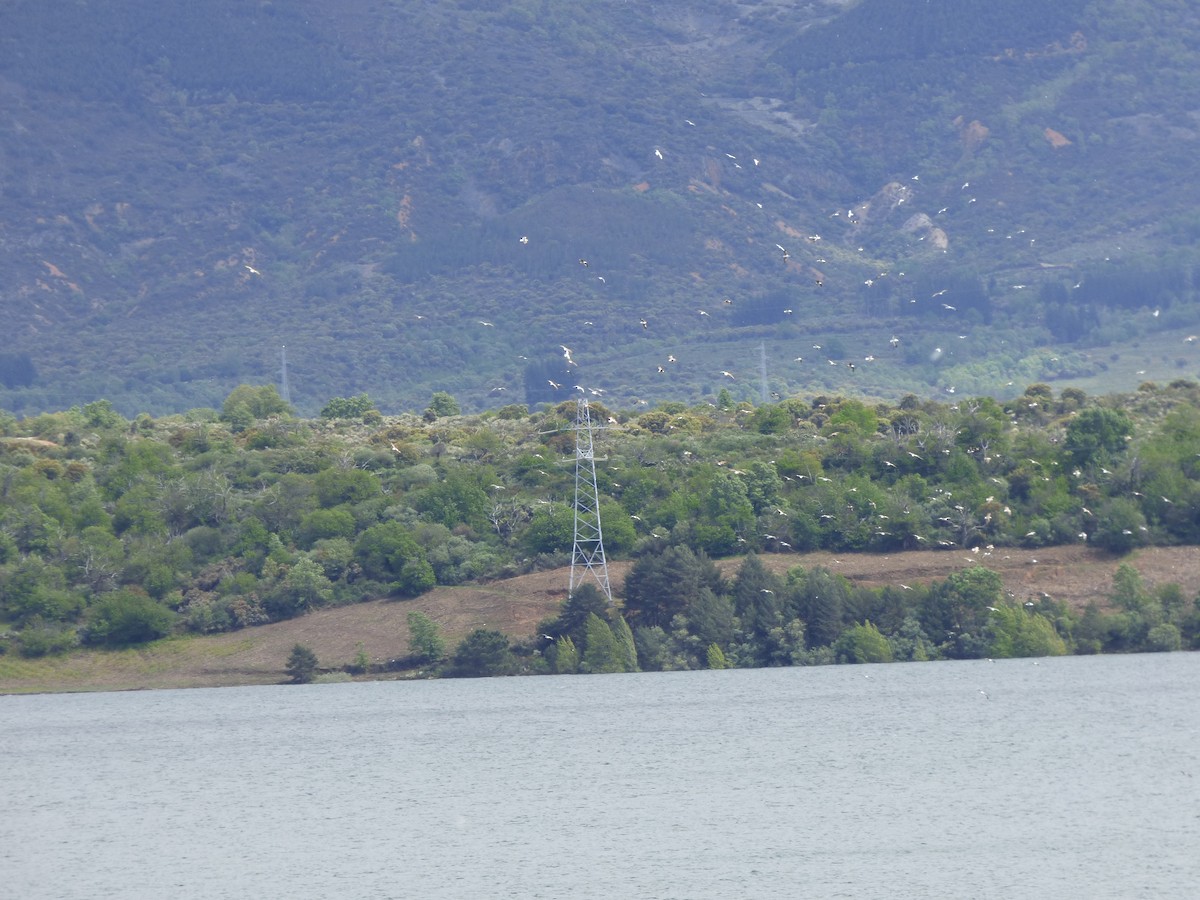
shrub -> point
(124, 617)
(43, 640)
(1164, 638)
(357, 407)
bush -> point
(389, 553)
(1164, 638)
(42, 640)
(123, 617)
(357, 407)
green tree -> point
(1129, 592)
(304, 587)
(482, 653)
(602, 654)
(659, 587)
(1120, 525)
(715, 658)
(854, 415)
(425, 641)
(322, 524)
(566, 656)
(756, 598)
(301, 664)
(458, 499)
(619, 534)
(345, 486)
(863, 644)
(355, 407)
(710, 617)
(1017, 632)
(101, 414)
(626, 644)
(247, 403)
(1096, 434)
(725, 512)
(956, 611)
(819, 598)
(33, 589)
(387, 552)
(442, 404)
(573, 615)
(551, 530)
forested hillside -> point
(115, 531)
(422, 197)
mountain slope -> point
(190, 187)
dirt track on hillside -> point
(1074, 574)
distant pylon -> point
(762, 369)
(284, 393)
(587, 555)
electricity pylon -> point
(285, 393)
(587, 555)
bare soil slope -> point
(1074, 574)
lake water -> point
(1070, 777)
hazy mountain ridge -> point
(395, 178)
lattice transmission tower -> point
(285, 392)
(587, 555)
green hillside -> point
(405, 195)
(114, 532)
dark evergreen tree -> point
(483, 652)
(571, 620)
(658, 587)
(302, 664)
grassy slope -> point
(1073, 574)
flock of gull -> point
(805, 261)
(811, 269)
